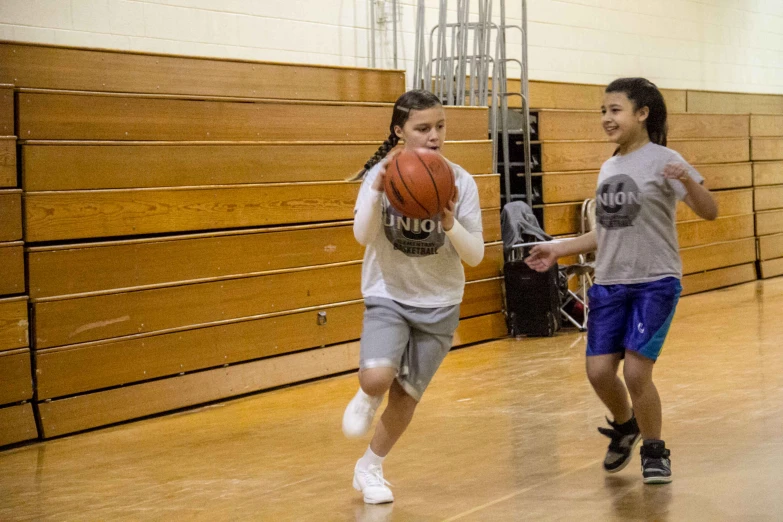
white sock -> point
(369, 459)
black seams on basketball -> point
(419, 183)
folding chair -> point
(581, 271)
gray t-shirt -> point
(412, 261)
(635, 217)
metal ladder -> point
(460, 77)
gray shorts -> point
(411, 339)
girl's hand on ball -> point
(377, 184)
(447, 216)
(379, 180)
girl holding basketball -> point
(412, 283)
(637, 268)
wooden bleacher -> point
(765, 113)
(767, 154)
(50, 67)
(734, 103)
(188, 229)
(17, 423)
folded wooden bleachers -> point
(17, 423)
(765, 113)
(188, 226)
(721, 252)
(767, 154)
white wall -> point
(727, 45)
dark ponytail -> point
(415, 100)
(376, 158)
(644, 93)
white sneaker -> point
(359, 414)
(371, 483)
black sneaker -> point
(656, 465)
(624, 437)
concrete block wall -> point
(723, 45)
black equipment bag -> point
(532, 300)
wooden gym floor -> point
(505, 432)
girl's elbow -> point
(476, 260)
(360, 238)
(710, 213)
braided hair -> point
(414, 100)
(644, 93)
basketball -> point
(419, 183)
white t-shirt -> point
(635, 217)
(412, 261)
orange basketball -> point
(419, 183)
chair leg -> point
(585, 282)
(578, 296)
(572, 296)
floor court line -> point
(519, 492)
